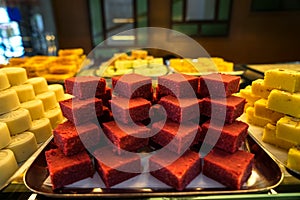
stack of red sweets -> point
(181, 96)
(70, 161)
(225, 163)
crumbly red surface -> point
(231, 107)
(72, 139)
(218, 85)
(178, 85)
(126, 137)
(114, 168)
(133, 86)
(84, 87)
(123, 109)
(180, 110)
(105, 96)
(232, 170)
(65, 170)
(229, 137)
(179, 173)
(81, 111)
(187, 135)
(106, 115)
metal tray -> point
(266, 174)
(278, 154)
(17, 175)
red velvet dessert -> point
(84, 87)
(133, 86)
(81, 111)
(106, 96)
(126, 137)
(177, 174)
(114, 168)
(218, 85)
(232, 106)
(179, 85)
(65, 170)
(232, 170)
(72, 140)
(106, 115)
(231, 135)
(186, 136)
(180, 110)
(123, 109)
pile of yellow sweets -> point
(274, 103)
(137, 61)
(200, 65)
(53, 68)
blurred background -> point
(247, 31)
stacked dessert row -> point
(171, 119)
(274, 103)
(138, 62)
(29, 111)
(70, 161)
(53, 68)
(201, 64)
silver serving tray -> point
(278, 154)
(17, 175)
(266, 174)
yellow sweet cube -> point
(283, 79)
(284, 102)
(293, 160)
(123, 64)
(269, 136)
(159, 61)
(259, 88)
(139, 54)
(248, 95)
(139, 63)
(288, 128)
(251, 118)
(261, 110)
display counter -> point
(289, 187)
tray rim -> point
(148, 192)
(292, 172)
(26, 164)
